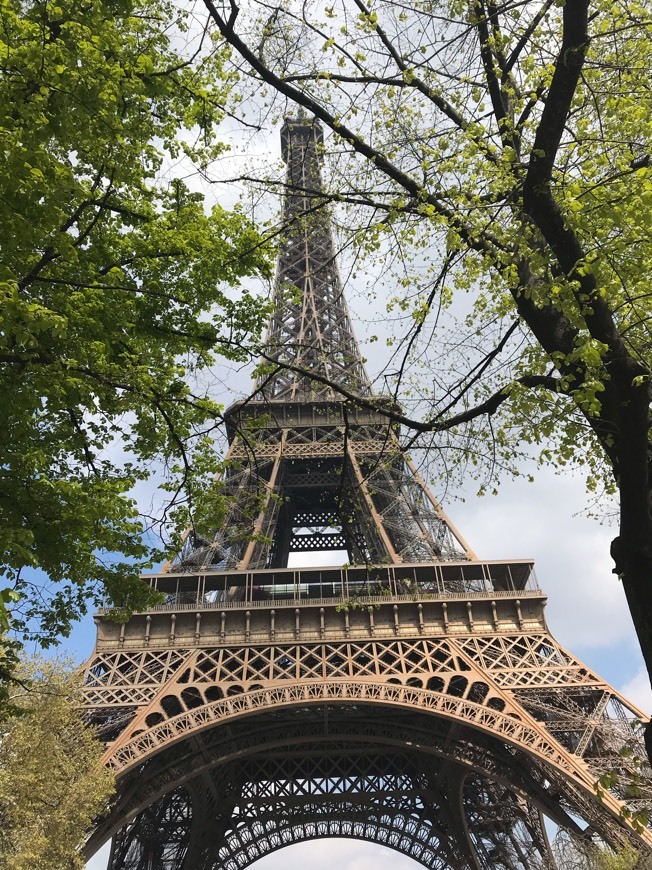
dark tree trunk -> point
(632, 549)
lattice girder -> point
(473, 681)
(445, 664)
(182, 761)
(514, 731)
(383, 797)
(379, 501)
(310, 326)
(163, 836)
(298, 745)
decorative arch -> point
(399, 801)
(515, 729)
(282, 731)
(153, 743)
(208, 755)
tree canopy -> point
(117, 288)
(52, 783)
(497, 151)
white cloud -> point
(587, 607)
(638, 690)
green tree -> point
(504, 147)
(117, 288)
(52, 783)
(572, 855)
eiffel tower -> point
(413, 697)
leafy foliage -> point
(570, 854)
(117, 288)
(52, 784)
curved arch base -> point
(396, 800)
(417, 783)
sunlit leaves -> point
(52, 784)
(117, 287)
(450, 97)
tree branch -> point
(539, 203)
(434, 424)
(486, 244)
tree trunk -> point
(632, 549)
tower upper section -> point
(310, 332)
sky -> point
(587, 612)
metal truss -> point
(296, 448)
(414, 698)
(288, 798)
(310, 327)
(536, 726)
(436, 790)
(317, 488)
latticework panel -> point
(572, 707)
(447, 795)
(244, 810)
(247, 487)
(408, 661)
(310, 327)
(400, 503)
(381, 510)
(505, 828)
(159, 838)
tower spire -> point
(307, 471)
(310, 329)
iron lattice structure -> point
(414, 697)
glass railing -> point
(353, 583)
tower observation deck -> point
(412, 695)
